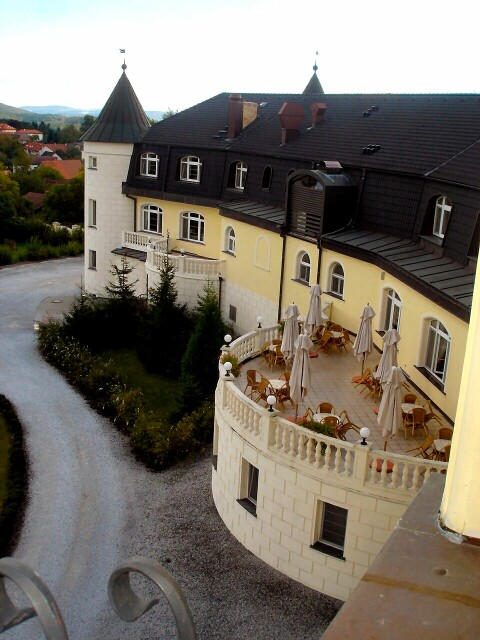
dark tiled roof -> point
(131, 253)
(463, 167)
(441, 279)
(251, 211)
(122, 119)
(313, 88)
(417, 134)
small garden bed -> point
(149, 367)
(13, 476)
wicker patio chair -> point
(263, 390)
(409, 398)
(252, 381)
(342, 429)
(431, 415)
(325, 407)
(325, 342)
(424, 449)
(416, 418)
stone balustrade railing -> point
(143, 241)
(354, 465)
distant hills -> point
(55, 115)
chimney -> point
(291, 116)
(235, 115)
(318, 112)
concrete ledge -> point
(420, 585)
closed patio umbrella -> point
(363, 342)
(290, 331)
(389, 357)
(314, 315)
(300, 375)
(390, 410)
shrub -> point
(5, 255)
(156, 442)
(236, 366)
(11, 514)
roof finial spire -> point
(124, 66)
(315, 68)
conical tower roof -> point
(122, 119)
(314, 87)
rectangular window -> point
(232, 314)
(92, 162)
(331, 528)
(92, 213)
(249, 490)
(92, 259)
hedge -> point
(154, 441)
(11, 516)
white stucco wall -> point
(114, 210)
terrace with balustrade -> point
(299, 474)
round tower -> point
(107, 150)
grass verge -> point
(160, 393)
(13, 477)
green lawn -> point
(4, 457)
(160, 393)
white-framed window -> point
(241, 170)
(149, 165)
(92, 213)
(92, 259)
(438, 349)
(190, 169)
(193, 226)
(337, 279)
(393, 310)
(230, 240)
(330, 529)
(303, 271)
(443, 209)
(249, 487)
(92, 162)
(152, 218)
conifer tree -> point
(120, 288)
(199, 372)
(166, 326)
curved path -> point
(91, 505)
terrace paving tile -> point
(331, 377)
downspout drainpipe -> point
(220, 280)
(282, 269)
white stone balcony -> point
(299, 470)
(187, 265)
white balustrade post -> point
(360, 464)
(258, 337)
(268, 427)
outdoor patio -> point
(331, 381)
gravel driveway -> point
(92, 505)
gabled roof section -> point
(313, 87)
(122, 119)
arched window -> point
(267, 178)
(190, 169)
(443, 208)
(438, 348)
(230, 241)
(303, 272)
(149, 165)
(193, 226)
(393, 310)
(152, 218)
(337, 279)
(241, 170)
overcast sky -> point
(183, 51)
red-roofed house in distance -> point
(24, 135)
(7, 130)
(35, 198)
(67, 168)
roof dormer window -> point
(149, 165)
(190, 169)
(443, 209)
(241, 170)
